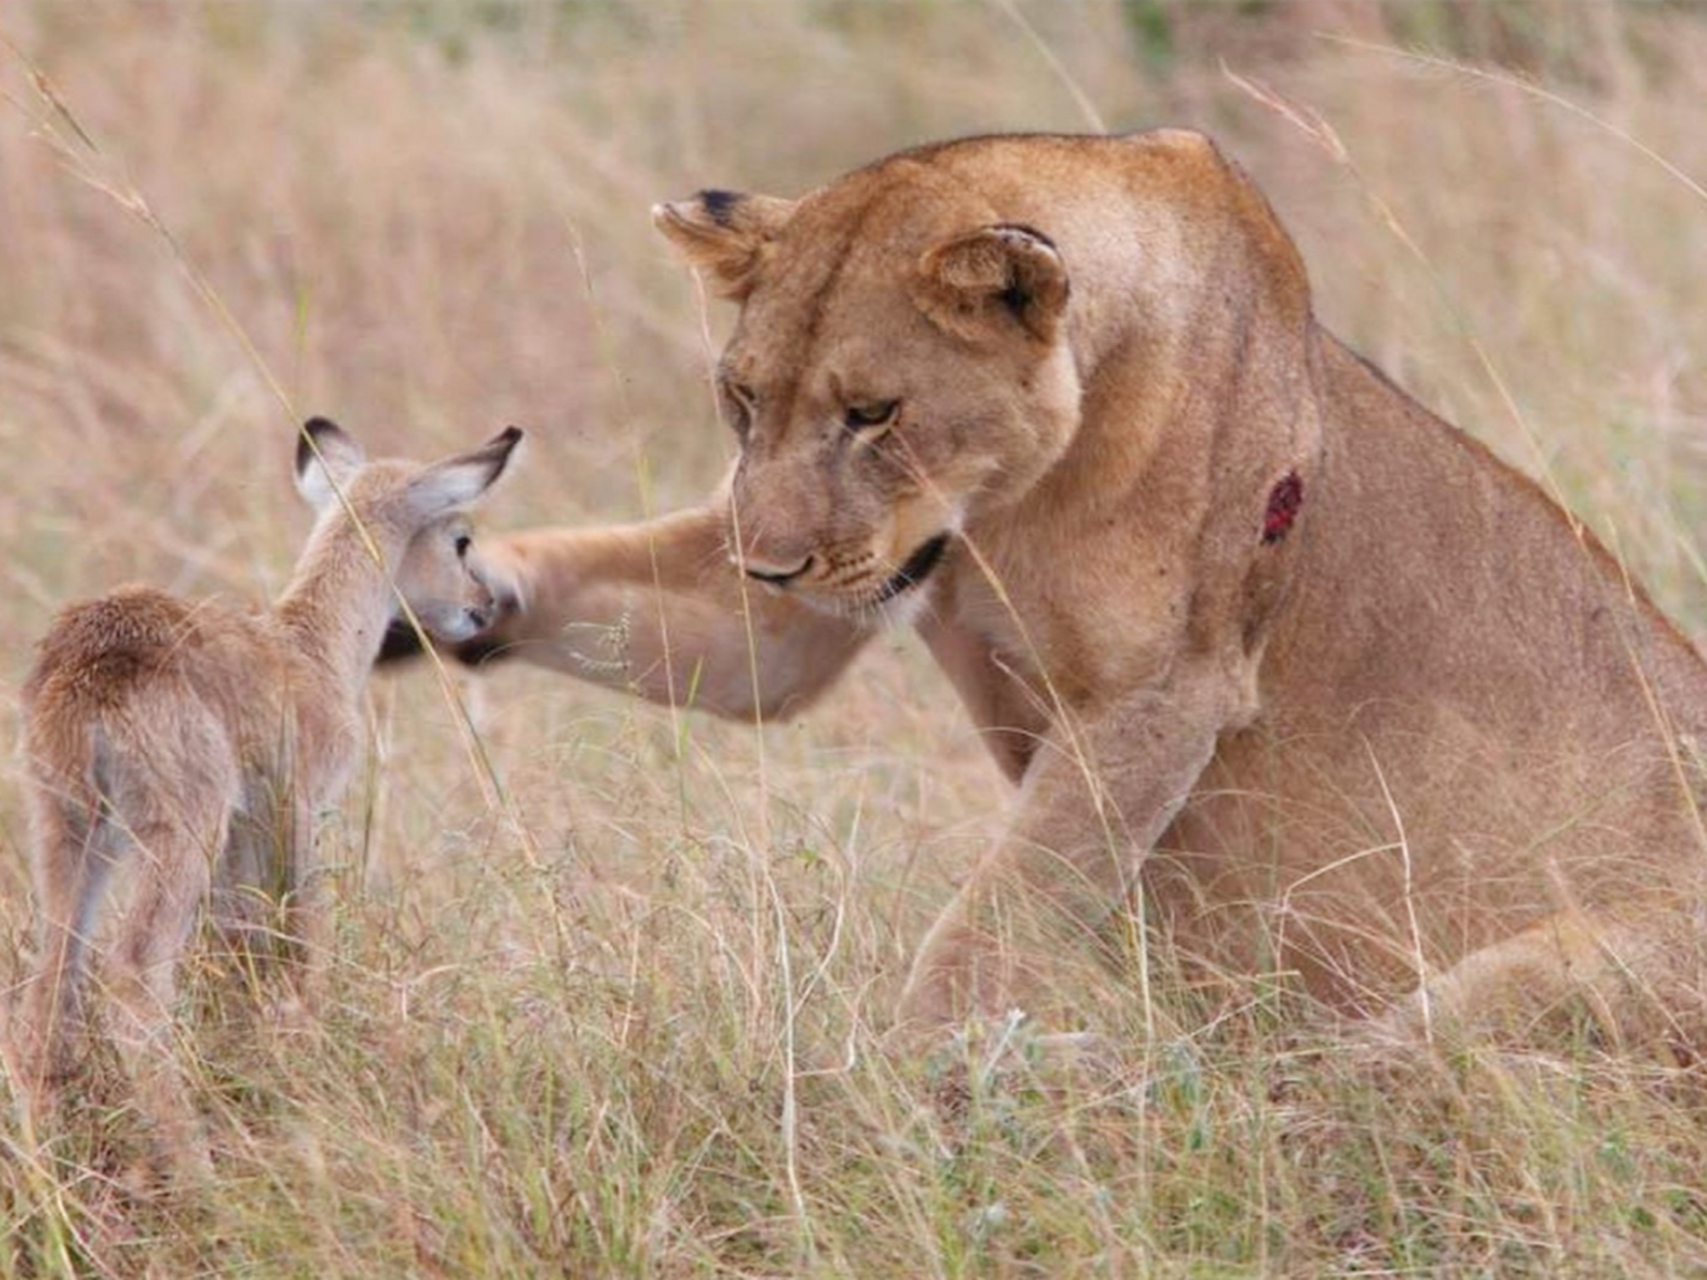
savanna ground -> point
(624, 1015)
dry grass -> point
(569, 1055)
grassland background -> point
(629, 1022)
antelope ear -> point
(456, 482)
(327, 464)
(991, 279)
(724, 233)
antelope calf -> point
(176, 750)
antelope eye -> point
(860, 417)
(463, 543)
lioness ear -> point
(334, 457)
(724, 233)
(998, 274)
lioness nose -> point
(775, 574)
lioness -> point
(1260, 640)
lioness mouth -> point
(916, 570)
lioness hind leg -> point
(1636, 984)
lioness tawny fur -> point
(1306, 674)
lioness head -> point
(899, 365)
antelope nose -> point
(775, 574)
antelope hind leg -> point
(142, 981)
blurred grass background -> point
(631, 1028)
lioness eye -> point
(741, 400)
(463, 543)
(876, 414)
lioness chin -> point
(1263, 643)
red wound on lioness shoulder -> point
(1283, 503)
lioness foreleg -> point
(658, 609)
(1094, 802)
